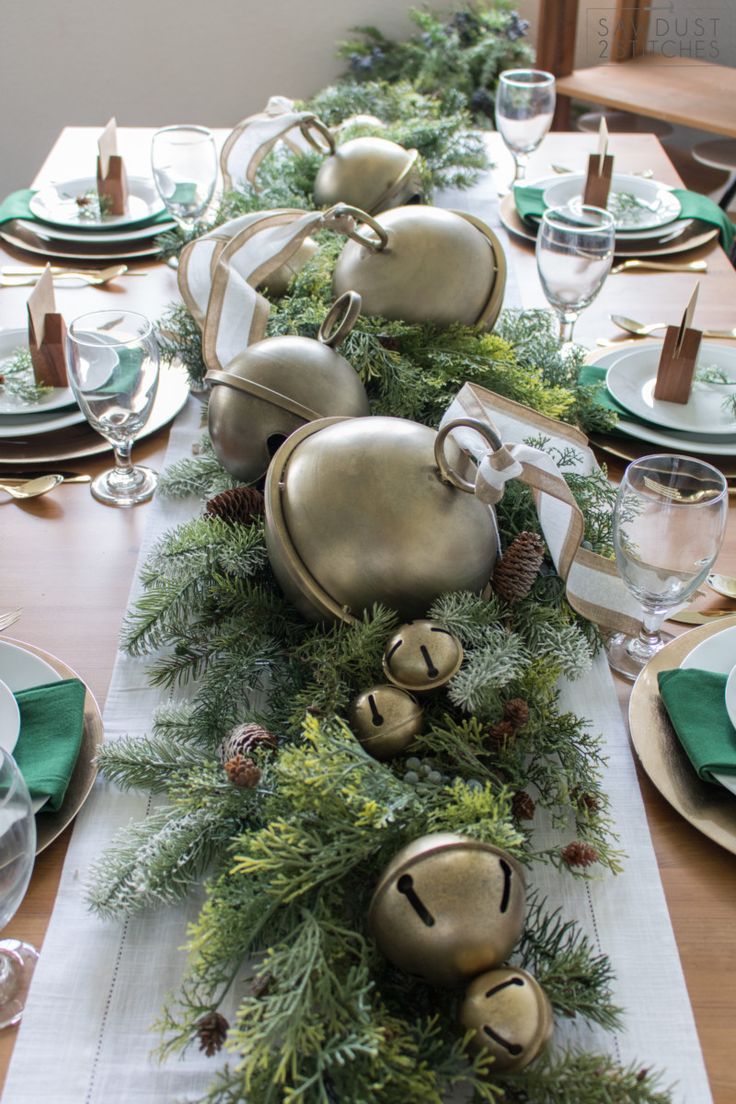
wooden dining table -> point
(68, 561)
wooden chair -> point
(698, 93)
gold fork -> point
(677, 496)
(8, 619)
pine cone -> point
(212, 1032)
(238, 506)
(243, 772)
(516, 712)
(523, 806)
(579, 854)
(518, 567)
(245, 739)
(500, 735)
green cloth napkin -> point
(51, 724)
(591, 374)
(17, 205)
(530, 204)
(695, 703)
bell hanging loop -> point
(448, 474)
(340, 319)
(344, 211)
(310, 128)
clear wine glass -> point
(184, 164)
(525, 104)
(17, 852)
(113, 372)
(668, 527)
(574, 254)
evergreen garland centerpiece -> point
(271, 798)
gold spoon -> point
(722, 584)
(642, 330)
(33, 487)
(102, 276)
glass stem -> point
(651, 623)
(123, 458)
(521, 161)
(567, 325)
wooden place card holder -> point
(598, 180)
(46, 335)
(678, 358)
(677, 364)
(112, 187)
(112, 182)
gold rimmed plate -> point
(51, 825)
(699, 233)
(80, 440)
(709, 808)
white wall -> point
(154, 62)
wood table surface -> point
(68, 562)
(688, 91)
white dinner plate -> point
(657, 206)
(57, 204)
(11, 341)
(718, 654)
(18, 428)
(32, 241)
(682, 442)
(9, 718)
(96, 237)
(632, 378)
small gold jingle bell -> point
(447, 908)
(385, 720)
(511, 1016)
(422, 655)
(278, 385)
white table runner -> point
(98, 987)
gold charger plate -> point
(51, 825)
(692, 238)
(711, 809)
(73, 444)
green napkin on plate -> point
(17, 206)
(530, 204)
(695, 703)
(51, 724)
(591, 374)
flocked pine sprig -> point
(146, 762)
(486, 671)
(180, 575)
(17, 380)
(201, 475)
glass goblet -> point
(17, 852)
(113, 372)
(184, 164)
(574, 254)
(525, 104)
(668, 527)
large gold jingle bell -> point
(385, 720)
(278, 385)
(511, 1016)
(423, 264)
(371, 173)
(367, 510)
(447, 908)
